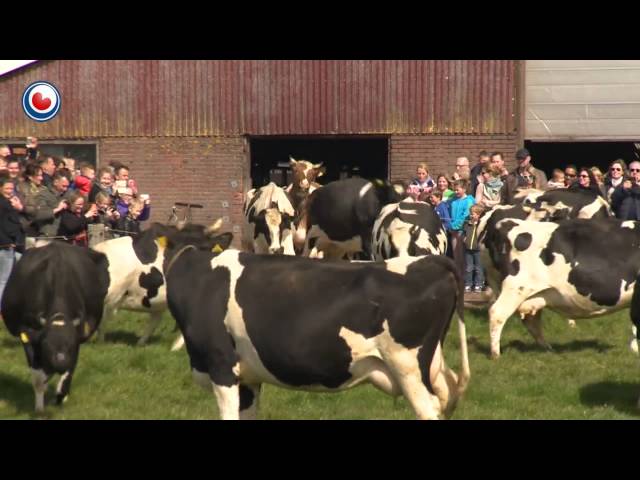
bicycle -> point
(185, 209)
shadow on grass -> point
(623, 396)
(10, 342)
(121, 336)
(525, 347)
(17, 392)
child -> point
(474, 274)
(460, 205)
(105, 213)
(83, 182)
(137, 211)
(557, 180)
(441, 207)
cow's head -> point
(201, 237)
(279, 224)
(59, 339)
(305, 173)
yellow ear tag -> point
(217, 249)
(86, 329)
(162, 241)
(24, 338)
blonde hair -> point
(423, 166)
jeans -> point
(473, 266)
(7, 259)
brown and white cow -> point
(304, 183)
(269, 224)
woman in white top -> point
(489, 188)
(615, 176)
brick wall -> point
(440, 152)
(197, 170)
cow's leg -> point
(634, 340)
(178, 343)
(534, 325)
(405, 368)
(509, 300)
(249, 401)
(378, 373)
(39, 380)
(227, 397)
(107, 316)
(154, 321)
(64, 387)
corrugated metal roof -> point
(266, 97)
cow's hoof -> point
(494, 356)
(634, 345)
(572, 323)
(61, 400)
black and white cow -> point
(304, 183)
(269, 219)
(579, 268)
(561, 204)
(408, 228)
(338, 218)
(135, 276)
(251, 319)
(635, 319)
(53, 302)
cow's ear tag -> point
(217, 249)
(379, 182)
(24, 337)
(162, 241)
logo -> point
(41, 101)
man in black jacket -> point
(11, 233)
(625, 199)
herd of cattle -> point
(248, 317)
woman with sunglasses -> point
(615, 175)
(625, 199)
(586, 181)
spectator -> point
(106, 213)
(130, 223)
(70, 163)
(570, 175)
(11, 234)
(615, 176)
(13, 167)
(625, 200)
(497, 159)
(557, 180)
(5, 153)
(48, 165)
(60, 163)
(51, 203)
(84, 181)
(125, 198)
(488, 192)
(462, 169)
(422, 184)
(599, 176)
(474, 273)
(587, 182)
(441, 208)
(524, 176)
(33, 154)
(122, 175)
(104, 184)
(30, 189)
(444, 186)
(73, 220)
(460, 205)
(476, 172)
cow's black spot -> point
(145, 247)
(514, 267)
(523, 241)
(546, 255)
(151, 282)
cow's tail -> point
(465, 373)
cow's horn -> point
(292, 160)
(318, 165)
(214, 227)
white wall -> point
(582, 100)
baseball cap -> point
(522, 154)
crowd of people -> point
(460, 198)
(46, 198)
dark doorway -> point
(549, 155)
(342, 157)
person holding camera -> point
(11, 234)
(422, 184)
(74, 220)
(106, 213)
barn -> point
(201, 131)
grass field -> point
(591, 375)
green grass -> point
(591, 375)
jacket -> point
(625, 203)
(471, 235)
(514, 181)
(11, 232)
(460, 211)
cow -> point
(408, 228)
(635, 319)
(338, 218)
(135, 274)
(304, 183)
(269, 226)
(250, 319)
(579, 268)
(561, 204)
(53, 303)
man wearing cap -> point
(524, 176)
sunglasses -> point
(634, 169)
(584, 176)
(570, 175)
(616, 169)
